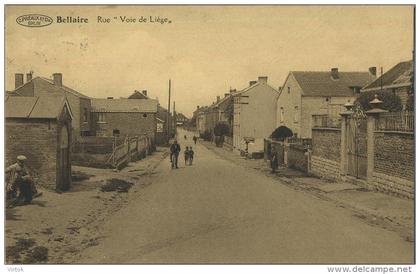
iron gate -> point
(357, 147)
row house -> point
(399, 80)
(254, 115)
(307, 93)
(44, 87)
(200, 119)
(125, 117)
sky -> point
(205, 50)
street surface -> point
(218, 212)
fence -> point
(325, 121)
(132, 148)
(395, 121)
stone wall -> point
(37, 140)
(297, 157)
(325, 168)
(394, 163)
(326, 143)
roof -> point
(138, 95)
(257, 83)
(320, 83)
(35, 107)
(124, 105)
(63, 87)
(400, 74)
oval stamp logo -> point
(34, 20)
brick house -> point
(40, 128)
(162, 115)
(218, 113)
(79, 103)
(132, 117)
(307, 93)
(254, 115)
(399, 80)
(200, 119)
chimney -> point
(110, 98)
(28, 77)
(263, 79)
(218, 99)
(18, 80)
(334, 73)
(58, 79)
(251, 83)
(144, 92)
(372, 71)
(198, 107)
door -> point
(357, 147)
(64, 182)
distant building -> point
(125, 117)
(254, 115)
(40, 128)
(181, 119)
(200, 120)
(399, 80)
(307, 93)
(79, 103)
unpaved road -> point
(218, 212)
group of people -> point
(175, 149)
(20, 186)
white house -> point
(254, 115)
(307, 93)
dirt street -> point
(218, 212)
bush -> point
(207, 135)
(391, 102)
(281, 133)
(221, 129)
(410, 103)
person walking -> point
(273, 161)
(175, 149)
(195, 140)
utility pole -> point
(169, 112)
(382, 72)
(174, 119)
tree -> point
(391, 102)
(221, 129)
(282, 133)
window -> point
(281, 115)
(116, 132)
(144, 115)
(296, 116)
(288, 90)
(101, 117)
(85, 115)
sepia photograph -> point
(210, 134)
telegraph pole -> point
(169, 112)
(174, 119)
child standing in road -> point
(186, 155)
(191, 157)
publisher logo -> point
(34, 20)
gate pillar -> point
(371, 118)
(345, 116)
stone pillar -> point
(345, 117)
(372, 115)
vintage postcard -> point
(222, 134)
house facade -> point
(40, 128)
(125, 117)
(307, 93)
(399, 80)
(79, 103)
(254, 115)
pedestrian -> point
(185, 137)
(20, 180)
(175, 149)
(195, 140)
(191, 156)
(273, 161)
(186, 155)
